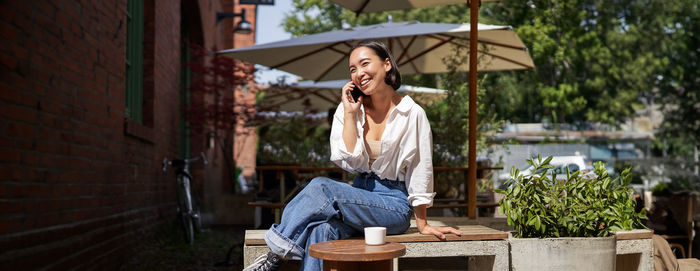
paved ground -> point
(167, 250)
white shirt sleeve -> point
(420, 172)
(351, 162)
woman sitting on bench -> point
(386, 139)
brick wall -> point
(79, 185)
(220, 202)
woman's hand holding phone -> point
(349, 103)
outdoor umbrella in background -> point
(367, 6)
(417, 48)
(317, 97)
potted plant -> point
(567, 224)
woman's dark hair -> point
(393, 76)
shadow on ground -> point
(166, 249)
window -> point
(573, 168)
(134, 61)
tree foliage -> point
(295, 141)
(679, 83)
(449, 117)
(595, 59)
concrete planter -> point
(567, 253)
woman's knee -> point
(319, 184)
(320, 181)
(317, 187)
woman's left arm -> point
(424, 228)
(420, 186)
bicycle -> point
(187, 209)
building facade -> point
(92, 98)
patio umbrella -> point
(315, 97)
(417, 48)
(366, 6)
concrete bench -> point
(488, 247)
(484, 242)
(635, 250)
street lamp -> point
(243, 27)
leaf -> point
(546, 161)
(531, 220)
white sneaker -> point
(266, 262)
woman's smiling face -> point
(367, 71)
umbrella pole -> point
(473, 38)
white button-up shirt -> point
(406, 153)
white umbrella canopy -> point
(417, 48)
(315, 97)
(367, 6)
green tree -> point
(296, 140)
(593, 57)
(679, 84)
(449, 117)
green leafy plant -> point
(294, 141)
(661, 189)
(583, 205)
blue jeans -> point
(329, 210)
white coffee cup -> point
(375, 235)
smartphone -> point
(356, 93)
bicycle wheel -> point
(185, 205)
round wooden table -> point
(356, 255)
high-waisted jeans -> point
(329, 210)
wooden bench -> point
(490, 246)
(276, 207)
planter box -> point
(565, 253)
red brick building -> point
(80, 161)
